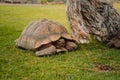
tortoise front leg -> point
(47, 51)
(62, 50)
(71, 45)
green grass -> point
(16, 64)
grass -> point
(117, 6)
(16, 64)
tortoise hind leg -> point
(47, 51)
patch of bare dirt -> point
(103, 68)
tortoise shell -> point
(41, 32)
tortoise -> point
(46, 37)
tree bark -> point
(97, 18)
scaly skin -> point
(47, 51)
(59, 46)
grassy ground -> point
(16, 64)
(117, 6)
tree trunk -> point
(97, 18)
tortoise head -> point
(60, 43)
